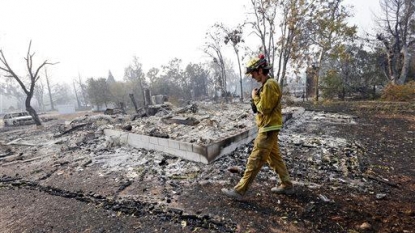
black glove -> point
(253, 106)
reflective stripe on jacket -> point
(268, 103)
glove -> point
(253, 106)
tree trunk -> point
(279, 66)
(393, 60)
(317, 72)
(76, 95)
(284, 69)
(392, 66)
(50, 92)
(225, 90)
(143, 95)
(83, 91)
(343, 93)
(286, 52)
(32, 111)
(405, 65)
(281, 83)
(134, 103)
(240, 74)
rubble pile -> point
(202, 124)
(215, 121)
(313, 158)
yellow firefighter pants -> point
(266, 150)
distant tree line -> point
(191, 83)
(311, 37)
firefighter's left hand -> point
(254, 92)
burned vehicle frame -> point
(17, 118)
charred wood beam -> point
(71, 129)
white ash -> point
(216, 122)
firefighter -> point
(266, 104)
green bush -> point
(404, 92)
(331, 85)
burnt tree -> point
(27, 86)
(397, 36)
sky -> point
(89, 38)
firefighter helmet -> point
(256, 63)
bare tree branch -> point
(33, 77)
(397, 38)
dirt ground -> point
(366, 183)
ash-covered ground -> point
(82, 172)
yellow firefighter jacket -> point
(268, 103)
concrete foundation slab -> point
(193, 152)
